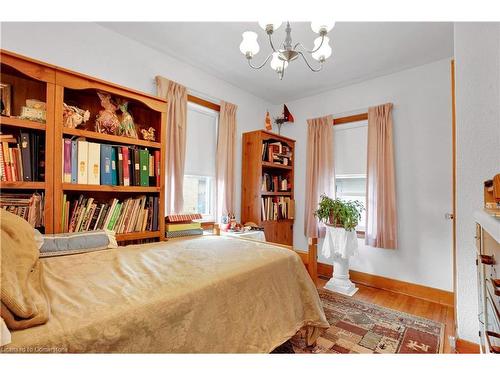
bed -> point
(207, 294)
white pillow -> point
(38, 239)
(4, 333)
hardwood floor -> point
(410, 305)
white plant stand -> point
(340, 245)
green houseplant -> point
(339, 213)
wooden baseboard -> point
(442, 297)
(466, 347)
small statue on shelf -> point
(148, 134)
(74, 116)
(107, 121)
(127, 126)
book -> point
(74, 162)
(67, 147)
(116, 213)
(126, 166)
(83, 151)
(6, 161)
(186, 226)
(157, 167)
(144, 167)
(120, 165)
(114, 172)
(28, 206)
(2, 164)
(106, 173)
(94, 160)
(26, 156)
(137, 167)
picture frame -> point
(6, 99)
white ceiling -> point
(361, 50)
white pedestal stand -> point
(342, 245)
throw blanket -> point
(199, 295)
(23, 300)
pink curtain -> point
(176, 96)
(320, 170)
(381, 215)
(226, 145)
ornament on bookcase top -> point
(107, 121)
(74, 116)
(127, 126)
(148, 134)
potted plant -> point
(339, 213)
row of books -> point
(277, 208)
(275, 183)
(276, 152)
(22, 157)
(28, 206)
(137, 214)
(102, 164)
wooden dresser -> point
(488, 271)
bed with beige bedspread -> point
(200, 295)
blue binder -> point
(106, 175)
(114, 172)
(74, 162)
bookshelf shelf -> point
(267, 164)
(110, 138)
(274, 193)
(258, 174)
(137, 236)
(22, 185)
(19, 123)
(110, 188)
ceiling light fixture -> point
(287, 52)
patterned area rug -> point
(360, 327)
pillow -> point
(18, 255)
(38, 239)
(76, 243)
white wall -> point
(94, 50)
(422, 131)
(477, 54)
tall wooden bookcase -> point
(55, 86)
(253, 169)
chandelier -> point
(287, 51)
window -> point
(199, 170)
(350, 144)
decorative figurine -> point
(107, 121)
(74, 116)
(127, 127)
(148, 134)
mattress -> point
(199, 295)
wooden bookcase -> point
(253, 170)
(30, 80)
(64, 86)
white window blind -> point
(350, 143)
(201, 141)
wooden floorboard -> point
(407, 304)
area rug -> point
(361, 327)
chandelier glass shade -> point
(286, 52)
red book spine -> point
(157, 167)
(6, 161)
(126, 169)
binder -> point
(119, 165)
(83, 152)
(126, 166)
(137, 167)
(114, 172)
(106, 174)
(26, 156)
(94, 161)
(67, 160)
(74, 162)
(144, 167)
